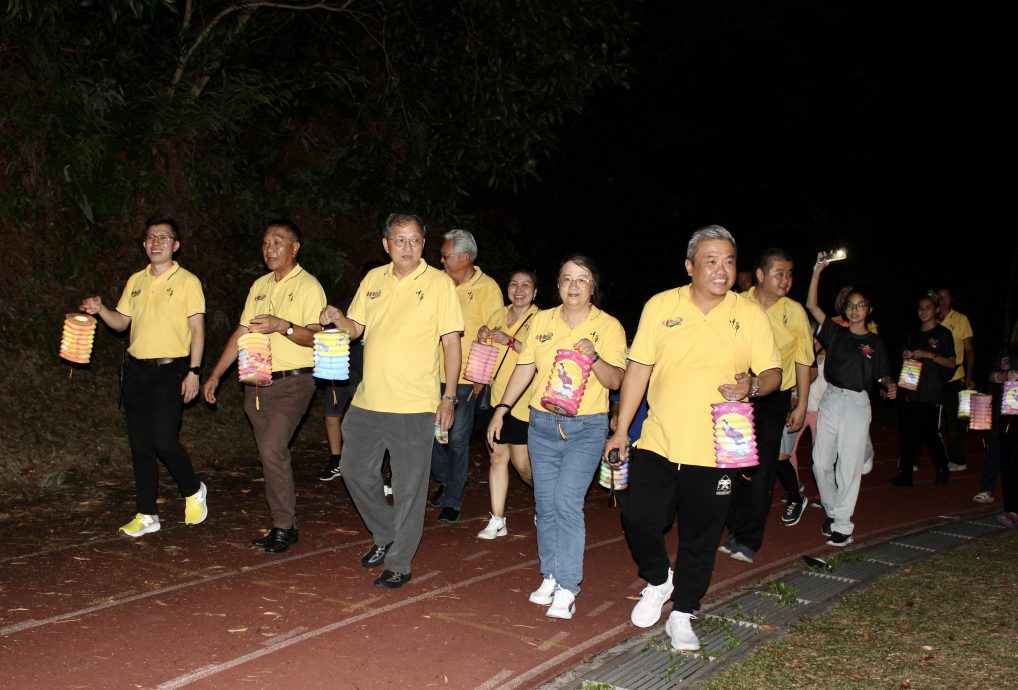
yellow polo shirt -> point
(404, 320)
(478, 296)
(159, 307)
(297, 298)
(792, 335)
(506, 360)
(549, 334)
(692, 354)
(961, 329)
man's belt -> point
(291, 372)
(158, 362)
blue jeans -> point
(449, 467)
(563, 470)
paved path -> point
(198, 607)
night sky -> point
(880, 128)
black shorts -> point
(514, 432)
(338, 395)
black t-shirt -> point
(854, 362)
(932, 377)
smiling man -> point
(164, 307)
(695, 345)
(410, 319)
(283, 304)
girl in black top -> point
(856, 360)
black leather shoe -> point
(278, 540)
(391, 580)
(375, 555)
(437, 496)
(449, 515)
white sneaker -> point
(983, 497)
(681, 632)
(647, 611)
(867, 464)
(563, 605)
(956, 467)
(544, 594)
(496, 528)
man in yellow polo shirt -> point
(411, 319)
(695, 345)
(283, 304)
(479, 295)
(772, 414)
(963, 378)
(164, 307)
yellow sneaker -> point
(195, 509)
(141, 524)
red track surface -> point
(199, 607)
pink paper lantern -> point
(1009, 400)
(566, 383)
(964, 402)
(981, 412)
(734, 436)
(480, 362)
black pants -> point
(1009, 462)
(955, 428)
(751, 499)
(657, 490)
(917, 422)
(153, 407)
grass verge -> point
(949, 622)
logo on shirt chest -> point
(672, 323)
(260, 298)
(135, 293)
(866, 351)
(735, 325)
(543, 337)
(373, 294)
(470, 295)
(169, 292)
(420, 295)
(933, 344)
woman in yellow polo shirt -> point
(565, 451)
(507, 328)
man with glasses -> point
(283, 304)
(411, 319)
(164, 307)
(479, 296)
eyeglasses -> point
(567, 281)
(159, 239)
(401, 240)
(451, 254)
(857, 306)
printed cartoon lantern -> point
(76, 339)
(616, 478)
(480, 362)
(964, 400)
(332, 355)
(982, 411)
(254, 359)
(910, 371)
(734, 437)
(1009, 401)
(567, 381)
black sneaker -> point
(375, 555)
(839, 539)
(331, 471)
(449, 515)
(437, 496)
(902, 480)
(391, 580)
(826, 530)
(794, 511)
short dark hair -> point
(288, 224)
(584, 261)
(764, 261)
(529, 272)
(163, 219)
(398, 219)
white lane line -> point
(208, 671)
(602, 608)
(496, 680)
(552, 641)
(522, 680)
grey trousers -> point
(408, 438)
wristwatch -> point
(195, 370)
(289, 331)
(754, 388)
(451, 399)
(595, 357)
